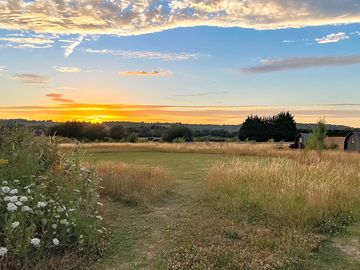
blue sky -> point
(308, 67)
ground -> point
(142, 235)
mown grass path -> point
(142, 234)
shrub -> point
(117, 132)
(317, 138)
(48, 203)
(133, 137)
(178, 131)
(131, 183)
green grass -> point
(156, 236)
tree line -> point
(280, 127)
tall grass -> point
(320, 195)
(133, 183)
(237, 149)
(49, 207)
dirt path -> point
(145, 232)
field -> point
(228, 206)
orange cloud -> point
(146, 73)
(59, 98)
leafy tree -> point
(178, 131)
(281, 127)
(117, 132)
(317, 137)
(71, 129)
(133, 137)
(94, 132)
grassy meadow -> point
(178, 206)
(231, 206)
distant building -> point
(301, 140)
(352, 142)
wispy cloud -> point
(203, 94)
(59, 98)
(89, 17)
(332, 38)
(68, 69)
(165, 56)
(73, 44)
(161, 73)
(31, 41)
(30, 78)
(301, 63)
(75, 70)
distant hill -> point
(194, 127)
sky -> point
(190, 61)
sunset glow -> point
(192, 61)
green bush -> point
(317, 137)
(48, 203)
(178, 131)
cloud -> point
(59, 98)
(203, 94)
(332, 38)
(68, 69)
(32, 41)
(30, 78)
(164, 56)
(69, 49)
(2, 69)
(146, 73)
(89, 17)
(75, 70)
(301, 63)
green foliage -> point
(281, 127)
(48, 203)
(133, 137)
(178, 131)
(117, 132)
(79, 130)
(317, 138)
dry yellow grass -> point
(302, 192)
(280, 150)
(132, 183)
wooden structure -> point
(352, 142)
(301, 139)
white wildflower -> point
(64, 222)
(56, 241)
(23, 199)
(41, 204)
(5, 183)
(14, 191)
(7, 198)
(35, 242)
(99, 231)
(81, 236)
(54, 226)
(16, 181)
(99, 217)
(18, 203)
(11, 207)
(3, 251)
(5, 190)
(99, 203)
(26, 209)
(13, 199)
(15, 224)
